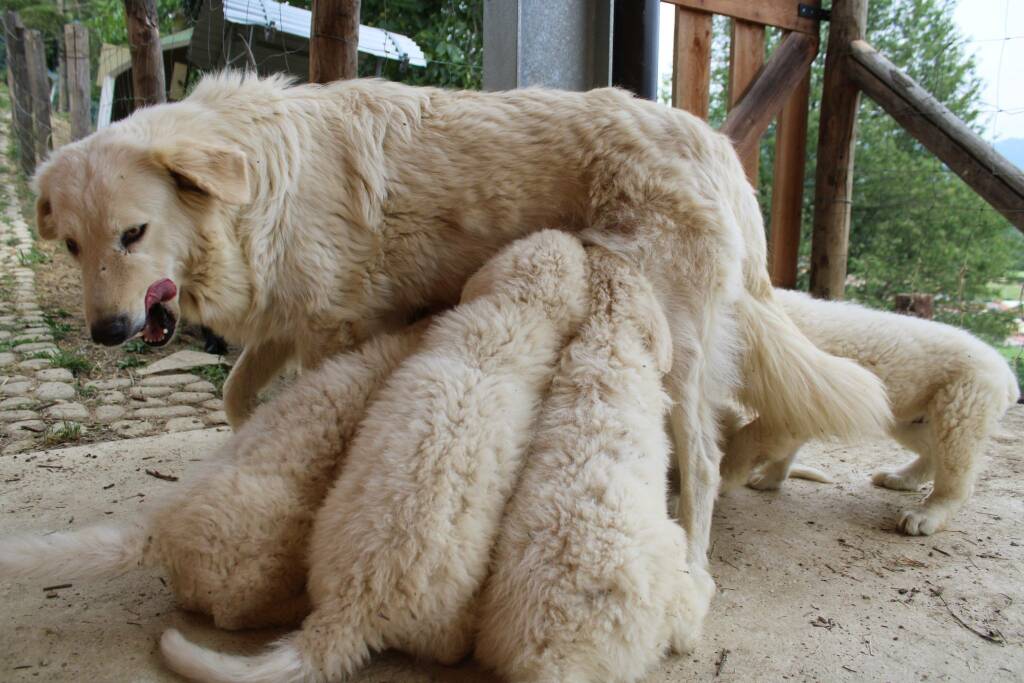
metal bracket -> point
(805, 11)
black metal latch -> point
(805, 11)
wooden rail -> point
(987, 172)
(758, 92)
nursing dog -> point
(948, 390)
(233, 543)
(299, 220)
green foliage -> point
(64, 432)
(69, 360)
(130, 361)
(136, 346)
(450, 33)
(32, 257)
(214, 374)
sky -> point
(994, 30)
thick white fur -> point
(590, 579)
(947, 388)
(309, 217)
(402, 543)
(233, 542)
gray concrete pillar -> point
(559, 44)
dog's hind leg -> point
(959, 419)
(919, 438)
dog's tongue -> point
(160, 291)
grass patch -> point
(59, 329)
(86, 392)
(65, 432)
(32, 257)
(11, 241)
(136, 346)
(214, 374)
(69, 360)
(1015, 356)
(130, 361)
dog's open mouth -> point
(160, 321)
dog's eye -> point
(72, 246)
(133, 235)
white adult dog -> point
(948, 391)
(234, 541)
(590, 580)
(402, 543)
(300, 220)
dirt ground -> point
(814, 583)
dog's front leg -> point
(255, 367)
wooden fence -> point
(760, 90)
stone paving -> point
(42, 404)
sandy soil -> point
(814, 582)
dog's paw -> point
(765, 481)
(895, 480)
(922, 521)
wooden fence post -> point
(148, 83)
(334, 40)
(833, 186)
(691, 72)
(76, 51)
(39, 83)
(62, 78)
(788, 186)
(21, 95)
(746, 56)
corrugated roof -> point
(297, 21)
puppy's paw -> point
(922, 521)
(765, 481)
(895, 480)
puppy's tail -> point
(312, 655)
(282, 664)
(93, 552)
(809, 473)
(796, 387)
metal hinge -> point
(805, 11)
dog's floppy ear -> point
(44, 219)
(215, 171)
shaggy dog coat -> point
(234, 542)
(947, 389)
(298, 220)
(590, 579)
(402, 543)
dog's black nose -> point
(111, 331)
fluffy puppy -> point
(947, 388)
(402, 544)
(234, 542)
(590, 579)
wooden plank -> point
(746, 57)
(772, 86)
(780, 13)
(76, 47)
(39, 83)
(987, 172)
(21, 94)
(788, 186)
(837, 133)
(334, 40)
(691, 62)
(148, 84)
(62, 79)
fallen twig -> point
(47, 589)
(720, 664)
(161, 475)
(940, 550)
(992, 636)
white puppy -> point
(403, 541)
(590, 579)
(947, 388)
(233, 543)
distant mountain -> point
(1012, 149)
